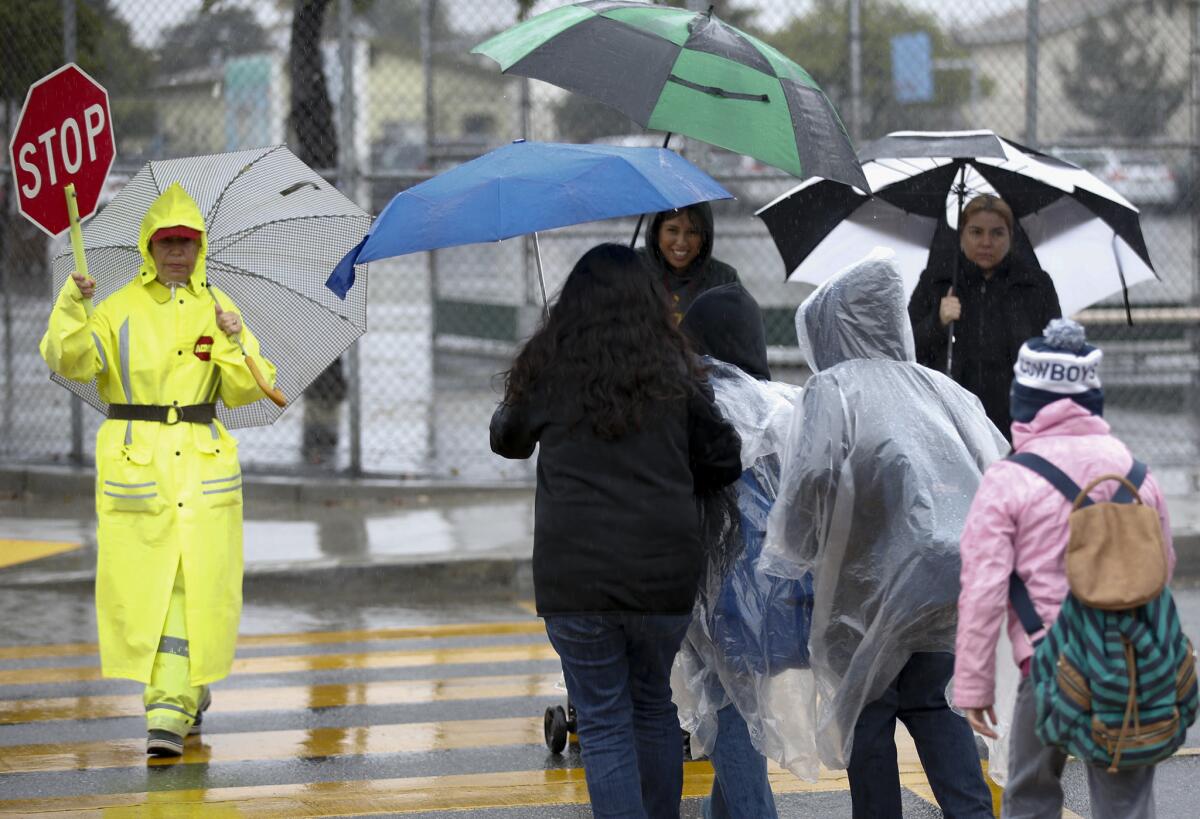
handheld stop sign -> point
(61, 152)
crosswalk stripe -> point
(13, 552)
(259, 746)
(307, 638)
(294, 698)
(465, 793)
(316, 662)
(459, 792)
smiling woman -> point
(679, 252)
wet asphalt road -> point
(406, 694)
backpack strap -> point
(1137, 474)
(1018, 595)
(1052, 474)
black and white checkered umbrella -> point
(275, 231)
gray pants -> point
(1034, 788)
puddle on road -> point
(494, 529)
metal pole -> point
(856, 117)
(1194, 68)
(1031, 72)
(975, 94)
(426, 34)
(426, 42)
(9, 388)
(527, 249)
(347, 181)
(69, 38)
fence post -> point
(427, 48)
(348, 182)
(10, 206)
(1193, 399)
(69, 37)
(1031, 72)
(525, 104)
(856, 123)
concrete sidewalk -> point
(328, 529)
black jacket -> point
(616, 526)
(998, 316)
(702, 274)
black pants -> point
(945, 743)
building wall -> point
(1003, 63)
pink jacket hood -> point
(1017, 521)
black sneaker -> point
(163, 743)
(205, 701)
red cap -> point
(178, 230)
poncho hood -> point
(859, 312)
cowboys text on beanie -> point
(1055, 365)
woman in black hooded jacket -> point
(678, 252)
(1002, 298)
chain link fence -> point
(381, 94)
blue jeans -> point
(944, 742)
(740, 787)
(618, 671)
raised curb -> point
(303, 489)
(474, 577)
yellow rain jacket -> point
(167, 495)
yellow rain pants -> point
(168, 495)
(172, 702)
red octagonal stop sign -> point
(64, 136)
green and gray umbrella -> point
(689, 73)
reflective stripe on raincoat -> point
(167, 495)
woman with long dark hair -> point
(628, 431)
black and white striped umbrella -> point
(1085, 235)
(275, 230)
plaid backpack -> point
(1114, 678)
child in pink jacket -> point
(1017, 521)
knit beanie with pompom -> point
(1055, 365)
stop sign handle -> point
(77, 239)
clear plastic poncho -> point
(881, 463)
(747, 643)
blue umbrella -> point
(525, 187)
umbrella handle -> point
(537, 254)
(271, 392)
(638, 227)
(960, 189)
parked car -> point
(1141, 177)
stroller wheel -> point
(555, 729)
